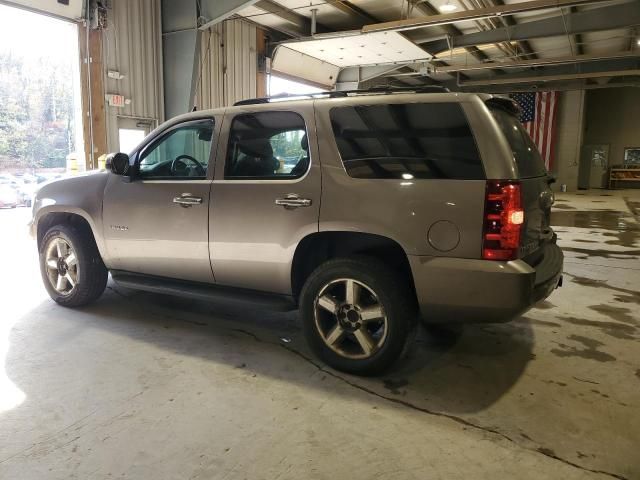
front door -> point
(157, 223)
(265, 197)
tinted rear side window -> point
(525, 152)
(405, 141)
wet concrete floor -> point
(146, 386)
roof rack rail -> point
(344, 93)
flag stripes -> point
(538, 116)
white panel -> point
(361, 49)
(73, 11)
(305, 67)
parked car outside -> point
(398, 207)
(8, 196)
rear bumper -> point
(465, 290)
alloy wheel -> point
(62, 265)
(350, 318)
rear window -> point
(525, 152)
(406, 141)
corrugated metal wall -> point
(228, 68)
(132, 46)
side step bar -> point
(203, 291)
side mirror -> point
(118, 163)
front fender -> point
(81, 195)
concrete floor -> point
(144, 386)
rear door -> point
(537, 196)
(265, 196)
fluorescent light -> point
(407, 176)
(447, 7)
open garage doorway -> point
(40, 103)
(279, 85)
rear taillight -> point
(503, 219)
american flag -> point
(538, 116)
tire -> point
(381, 290)
(90, 279)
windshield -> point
(525, 153)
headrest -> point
(256, 147)
(304, 142)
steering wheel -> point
(180, 160)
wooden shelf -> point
(622, 175)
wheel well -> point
(60, 218)
(317, 248)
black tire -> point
(394, 293)
(92, 274)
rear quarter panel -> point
(405, 210)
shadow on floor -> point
(460, 371)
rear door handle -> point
(187, 199)
(293, 201)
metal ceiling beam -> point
(297, 25)
(215, 11)
(429, 10)
(549, 78)
(476, 14)
(599, 19)
(537, 62)
(587, 70)
(353, 10)
(577, 38)
(559, 86)
(524, 45)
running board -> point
(204, 291)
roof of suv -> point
(434, 93)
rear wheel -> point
(358, 315)
(71, 266)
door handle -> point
(293, 201)
(186, 200)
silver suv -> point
(364, 211)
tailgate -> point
(537, 199)
(537, 196)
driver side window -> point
(183, 153)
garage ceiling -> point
(484, 34)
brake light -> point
(503, 220)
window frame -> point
(162, 135)
(375, 104)
(272, 179)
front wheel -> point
(71, 266)
(358, 315)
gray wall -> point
(570, 122)
(132, 46)
(613, 117)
